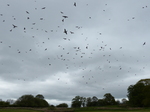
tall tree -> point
(76, 102)
(83, 100)
(109, 99)
(40, 96)
(139, 94)
(94, 101)
(89, 102)
(31, 101)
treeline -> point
(30, 101)
(108, 99)
(138, 96)
(26, 101)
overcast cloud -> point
(105, 50)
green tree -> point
(25, 101)
(76, 102)
(124, 101)
(94, 101)
(4, 104)
(62, 105)
(139, 94)
(83, 101)
(109, 99)
(101, 102)
(89, 102)
(40, 96)
(31, 101)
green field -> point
(118, 111)
(76, 110)
(19, 110)
(112, 109)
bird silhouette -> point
(65, 31)
(14, 26)
(27, 12)
(65, 16)
(43, 7)
(75, 4)
(144, 43)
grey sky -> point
(102, 52)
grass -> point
(19, 110)
(112, 109)
(85, 109)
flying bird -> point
(43, 7)
(75, 4)
(27, 12)
(65, 31)
(65, 16)
(14, 26)
(71, 32)
(144, 43)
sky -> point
(67, 48)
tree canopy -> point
(139, 94)
(31, 101)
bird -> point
(71, 32)
(43, 7)
(65, 16)
(14, 26)
(75, 4)
(27, 12)
(65, 31)
(144, 43)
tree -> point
(76, 102)
(109, 99)
(31, 101)
(62, 105)
(10, 101)
(25, 101)
(124, 101)
(101, 102)
(4, 104)
(83, 101)
(139, 94)
(89, 102)
(40, 96)
(94, 101)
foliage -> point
(139, 94)
(62, 105)
(94, 101)
(109, 99)
(76, 102)
(19, 110)
(4, 104)
(39, 96)
(31, 101)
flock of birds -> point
(71, 57)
